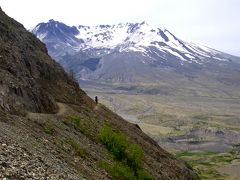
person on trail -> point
(96, 99)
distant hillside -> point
(51, 129)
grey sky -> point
(214, 23)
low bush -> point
(143, 175)
(128, 157)
(134, 155)
(116, 143)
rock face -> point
(27, 73)
(38, 143)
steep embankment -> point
(30, 79)
(63, 145)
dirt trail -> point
(61, 111)
(62, 108)
(96, 107)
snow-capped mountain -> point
(140, 37)
(128, 37)
(133, 52)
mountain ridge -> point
(125, 35)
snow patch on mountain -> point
(138, 37)
(174, 53)
(42, 36)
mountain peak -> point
(55, 28)
(51, 21)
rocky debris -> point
(50, 151)
(18, 163)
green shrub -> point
(134, 156)
(128, 157)
(143, 175)
(116, 143)
(122, 171)
(118, 170)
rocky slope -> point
(28, 74)
(64, 143)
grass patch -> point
(79, 123)
(48, 127)
(210, 174)
(223, 158)
(206, 164)
(74, 119)
(77, 148)
(116, 143)
(127, 157)
(197, 153)
(119, 170)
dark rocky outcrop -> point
(29, 78)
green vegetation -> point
(77, 148)
(116, 143)
(127, 157)
(48, 127)
(74, 119)
(119, 170)
(197, 153)
(134, 157)
(206, 164)
(79, 123)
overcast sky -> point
(215, 23)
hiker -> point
(96, 99)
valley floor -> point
(204, 131)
